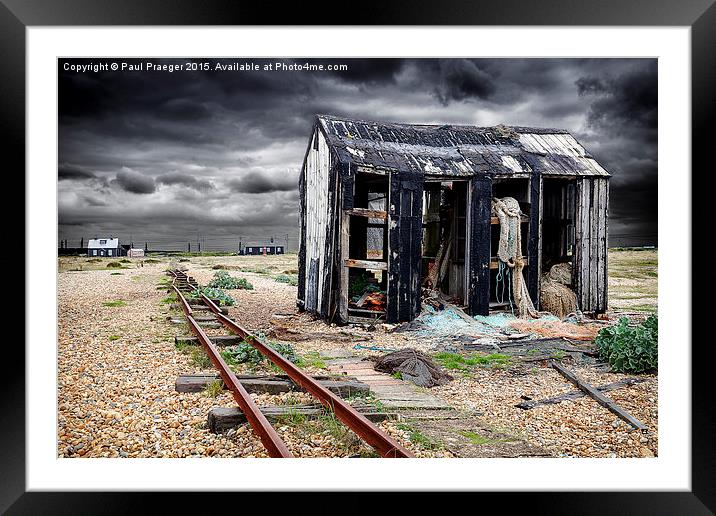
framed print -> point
(449, 243)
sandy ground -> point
(633, 280)
(117, 366)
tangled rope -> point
(509, 253)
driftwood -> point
(600, 398)
(573, 395)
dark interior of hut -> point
(445, 223)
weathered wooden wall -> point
(590, 260)
(318, 197)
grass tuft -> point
(213, 389)
(200, 359)
(116, 303)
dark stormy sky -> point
(172, 157)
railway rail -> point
(372, 435)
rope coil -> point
(511, 261)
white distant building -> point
(104, 247)
(135, 253)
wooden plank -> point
(371, 214)
(573, 395)
(221, 419)
(496, 220)
(605, 270)
(495, 263)
(367, 320)
(366, 264)
(393, 247)
(600, 398)
(271, 384)
(343, 250)
(219, 340)
(377, 313)
(593, 244)
(534, 237)
(600, 183)
(478, 234)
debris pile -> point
(413, 366)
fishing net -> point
(413, 366)
(511, 261)
(555, 296)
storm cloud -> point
(211, 156)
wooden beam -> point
(495, 262)
(371, 214)
(600, 398)
(366, 264)
(496, 220)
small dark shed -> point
(379, 200)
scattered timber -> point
(600, 398)
(573, 395)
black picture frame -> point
(17, 15)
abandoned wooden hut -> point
(378, 201)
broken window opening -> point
(367, 247)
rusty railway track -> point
(379, 440)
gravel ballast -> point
(117, 365)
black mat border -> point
(16, 15)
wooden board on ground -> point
(221, 419)
(344, 387)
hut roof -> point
(452, 150)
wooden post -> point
(478, 232)
(535, 238)
(405, 234)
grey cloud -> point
(257, 182)
(135, 182)
(240, 132)
(189, 181)
(69, 172)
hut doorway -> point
(444, 250)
